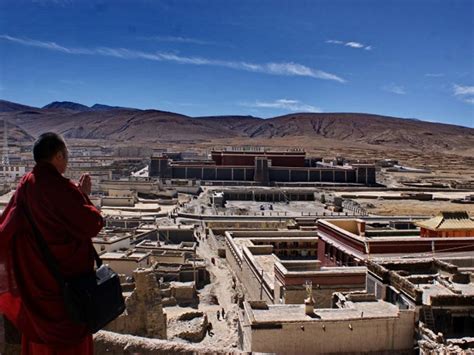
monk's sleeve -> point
(79, 213)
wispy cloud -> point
(354, 45)
(460, 90)
(286, 69)
(286, 104)
(46, 45)
(334, 41)
(464, 93)
(434, 75)
(394, 89)
(178, 39)
(351, 44)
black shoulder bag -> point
(94, 299)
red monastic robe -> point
(29, 295)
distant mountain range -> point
(73, 106)
(74, 120)
(7, 106)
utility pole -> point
(195, 275)
(5, 157)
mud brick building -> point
(262, 167)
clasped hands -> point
(85, 184)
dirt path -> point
(212, 298)
(225, 330)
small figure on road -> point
(209, 329)
(223, 313)
(218, 315)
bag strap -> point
(51, 262)
(49, 258)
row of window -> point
(11, 168)
(283, 245)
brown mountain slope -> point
(8, 106)
(351, 129)
(15, 134)
(367, 129)
(122, 125)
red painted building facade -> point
(343, 242)
(243, 158)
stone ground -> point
(253, 208)
(412, 207)
(220, 288)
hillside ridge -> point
(126, 124)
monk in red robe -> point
(30, 297)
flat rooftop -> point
(110, 237)
(433, 277)
(287, 313)
(377, 231)
(175, 227)
(267, 264)
(152, 244)
(135, 255)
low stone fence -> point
(120, 344)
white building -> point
(12, 172)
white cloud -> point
(285, 104)
(460, 90)
(434, 75)
(351, 44)
(464, 93)
(288, 69)
(354, 45)
(47, 45)
(177, 39)
(395, 89)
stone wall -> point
(144, 314)
(190, 326)
(256, 287)
(184, 293)
(233, 256)
(355, 336)
(106, 342)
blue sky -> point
(412, 59)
